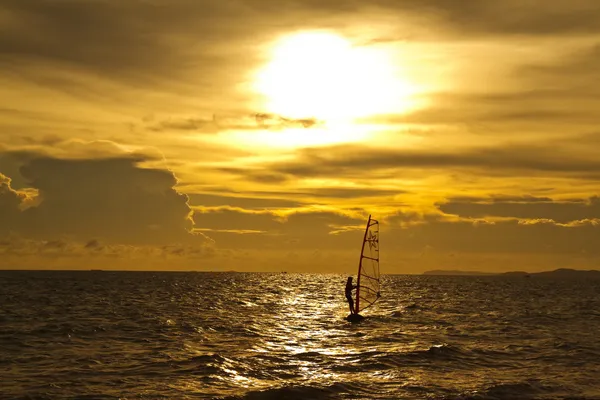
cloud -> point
(507, 18)
(516, 17)
(116, 38)
(20, 252)
(10, 202)
(293, 196)
(481, 113)
(109, 37)
(524, 208)
(255, 174)
(186, 124)
(348, 192)
(267, 120)
(10, 199)
(219, 123)
(510, 237)
(263, 200)
(110, 198)
(143, 43)
(298, 228)
(411, 242)
(573, 71)
(235, 219)
(510, 159)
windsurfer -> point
(349, 287)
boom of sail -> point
(368, 288)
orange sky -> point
(259, 135)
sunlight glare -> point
(321, 75)
(292, 138)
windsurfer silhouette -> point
(349, 287)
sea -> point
(231, 335)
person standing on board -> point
(349, 287)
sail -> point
(368, 284)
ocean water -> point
(148, 335)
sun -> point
(322, 75)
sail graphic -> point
(368, 288)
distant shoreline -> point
(561, 273)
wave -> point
(300, 392)
(527, 390)
(253, 336)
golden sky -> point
(259, 134)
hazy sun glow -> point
(321, 75)
(299, 137)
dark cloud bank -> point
(111, 199)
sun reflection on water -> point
(302, 328)
(294, 339)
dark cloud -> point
(270, 235)
(309, 222)
(110, 37)
(116, 38)
(299, 229)
(241, 200)
(187, 124)
(575, 71)
(13, 245)
(10, 200)
(10, 165)
(536, 109)
(404, 234)
(507, 18)
(357, 161)
(515, 17)
(515, 237)
(349, 192)
(17, 251)
(501, 198)
(143, 42)
(93, 244)
(524, 208)
(220, 123)
(265, 200)
(256, 175)
(266, 120)
(561, 90)
(12, 161)
(114, 199)
(236, 219)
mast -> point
(362, 250)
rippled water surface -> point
(146, 335)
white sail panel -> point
(368, 285)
